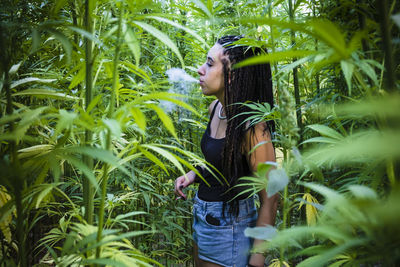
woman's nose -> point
(200, 70)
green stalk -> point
(392, 166)
(387, 45)
(284, 209)
(317, 83)
(273, 43)
(285, 193)
(295, 76)
(108, 141)
(88, 190)
(16, 181)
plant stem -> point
(295, 76)
(16, 181)
(387, 45)
(108, 141)
(284, 209)
(87, 186)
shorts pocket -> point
(214, 220)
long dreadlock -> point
(251, 83)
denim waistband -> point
(245, 205)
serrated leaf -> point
(168, 97)
(277, 180)
(113, 126)
(354, 149)
(136, 70)
(30, 79)
(154, 159)
(347, 68)
(89, 173)
(261, 232)
(63, 40)
(139, 118)
(274, 57)
(330, 34)
(165, 119)
(133, 44)
(57, 6)
(328, 193)
(79, 77)
(129, 214)
(65, 121)
(202, 7)
(45, 190)
(320, 139)
(367, 69)
(14, 68)
(162, 37)
(168, 155)
(176, 25)
(396, 19)
(326, 131)
(86, 34)
(94, 102)
(101, 154)
(264, 167)
(363, 192)
(46, 93)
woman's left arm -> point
(268, 205)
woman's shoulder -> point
(212, 105)
(257, 131)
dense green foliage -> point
(93, 134)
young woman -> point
(221, 213)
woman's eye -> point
(209, 64)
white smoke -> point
(179, 75)
(182, 83)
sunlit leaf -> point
(179, 26)
(65, 42)
(30, 79)
(396, 19)
(133, 44)
(326, 131)
(153, 158)
(203, 7)
(277, 180)
(274, 57)
(168, 155)
(165, 119)
(362, 192)
(79, 77)
(43, 93)
(347, 68)
(162, 37)
(14, 68)
(139, 118)
(113, 126)
(261, 232)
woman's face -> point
(211, 73)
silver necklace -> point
(220, 114)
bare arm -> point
(182, 182)
(268, 206)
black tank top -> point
(212, 149)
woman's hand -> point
(256, 260)
(183, 182)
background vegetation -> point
(93, 133)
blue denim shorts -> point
(220, 239)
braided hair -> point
(250, 83)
